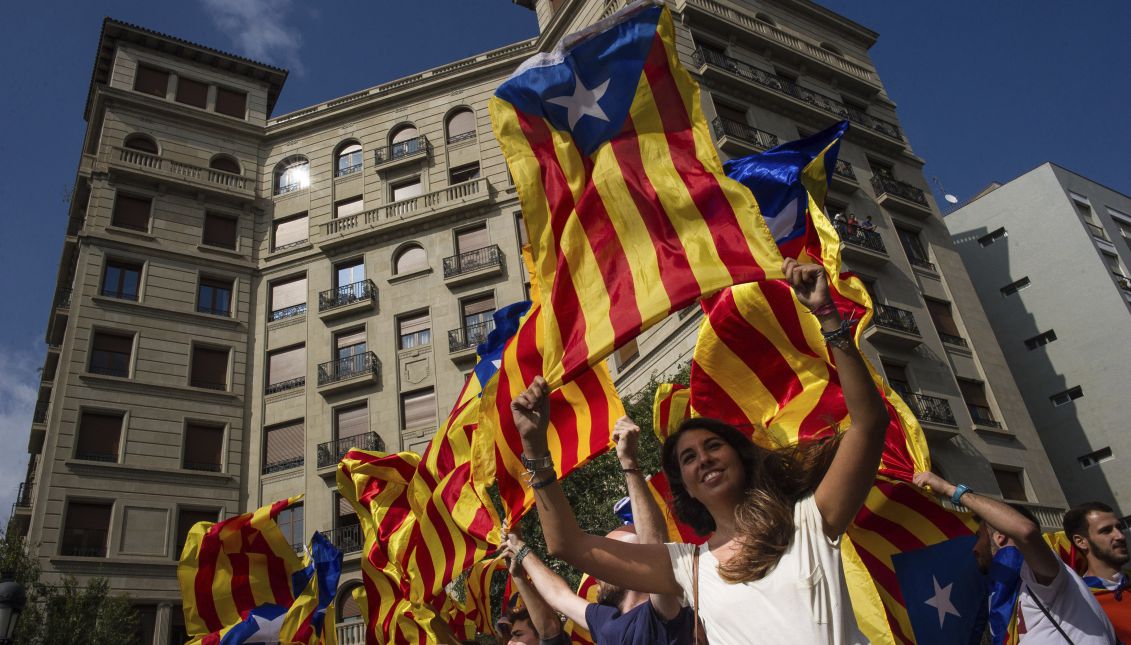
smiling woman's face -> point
(710, 468)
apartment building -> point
(1049, 254)
(243, 296)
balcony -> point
(983, 416)
(405, 213)
(739, 139)
(864, 247)
(901, 197)
(350, 371)
(934, 413)
(331, 452)
(288, 312)
(844, 177)
(463, 341)
(65, 299)
(952, 340)
(283, 386)
(159, 167)
(284, 464)
(348, 539)
(40, 413)
(401, 153)
(795, 98)
(894, 327)
(347, 300)
(23, 496)
(473, 265)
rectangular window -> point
(348, 273)
(414, 331)
(121, 279)
(520, 226)
(220, 230)
(1094, 458)
(1014, 287)
(914, 249)
(897, 377)
(288, 298)
(188, 518)
(471, 239)
(1011, 481)
(110, 354)
(1112, 262)
(349, 343)
(209, 368)
(99, 436)
(974, 393)
(351, 421)
(626, 354)
(286, 369)
(943, 318)
(131, 212)
(463, 173)
(290, 523)
(192, 92)
(478, 311)
(290, 233)
(730, 112)
(86, 527)
(1067, 396)
(283, 447)
(418, 409)
(993, 236)
(1040, 340)
(348, 207)
(231, 102)
(151, 81)
(214, 296)
(204, 447)
(407, 190)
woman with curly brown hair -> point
(770, 571)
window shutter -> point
(412, 259)
(286, 364)
(131, 212)
(151, 81)
(204, 445)
(88, 515)
(113, 343)
(288, 294)
(407, 191)
(284, 443)
(419, 409)
(209, 368)
(350, 338)
(220, 231)
(941, 314)
(461, 125)
(99, 435)
(352, 421)
(471, 239)
(1011, 483)
(192, 92)
(292, 231)
(349, 207)
(481, 305)
(231, 102)
(415, 324)
(973, 393)
(404, 134)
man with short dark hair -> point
(1095, 532)
(1055, 605)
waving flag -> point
(944, 592)
(230, 571)
(589, 589)
(474, 615)
(310, 620)
(670, 407)
(627, 208)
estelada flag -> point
(626, 205)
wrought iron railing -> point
(347, 295)
(867, 239)
(463, 136)
(280, 466)
(348, 170)
(470, 336)
(65, 298)
(488, 256)
(331, 452)
(283, 386)
(87, 543)
(109, 370)
(725, 127)
(225, 311)
(288, 312)
(897, 319)
(91, 455)
(887, 185)
(983, 416)
(40, 414)
(922, 263)
(206, 466)
(120, 294)
(789, 88)
(23, 495)
(290, 245)
(289, 188)
(401, 150)
(951, 339)
(208, 384)
(930, 408)
(348, 539)
(349, 367)
(844, 169)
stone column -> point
(162, 624)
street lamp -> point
(12, 601)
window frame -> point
(119, 445)
(210, 425)
(214, 215)
(116, 223)
(284, 169)
(66, 527)
(218, 283)
(123, 266)
(220, 89)
(182, 99)
(208, 347)
(109, 370)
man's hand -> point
(531, 411)
(510, 549)
(938, 485)
(626, 434)
(809, 283)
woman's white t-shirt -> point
(804, 599)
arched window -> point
(348, 610)
(348, 159)
(410, 259)
(292, 173)
(224, 163)
(405, 141)
(141, 143)
(461, 125)
(765, 18)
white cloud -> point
(19, 386)
(259, 30)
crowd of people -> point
(770, 570)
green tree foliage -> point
(67, 612)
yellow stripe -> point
(867, 605)
(731, 374)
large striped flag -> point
(311, 619)
(625, 201)
(474, 615)
(241, 572)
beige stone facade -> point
(242, 296)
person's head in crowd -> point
(990, 540)
(522, 630)
(609, 594)
(1095, 531)
(716, 471)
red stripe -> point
(947, 521)
(599, 419)
(885, 577)
(707, 395)
(779, 297)
(564, 423)
(241, 572)
(205, 574)
(703, 186)
(898, 535)
(823, 420)
(563, 295)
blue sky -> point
(986, 91)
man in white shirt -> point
(1056, 607)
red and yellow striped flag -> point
(625, 201)
(670, 407)
(230, 568)
(475, 614)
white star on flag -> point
(941, 601)
(268, 631)
(584, 101)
